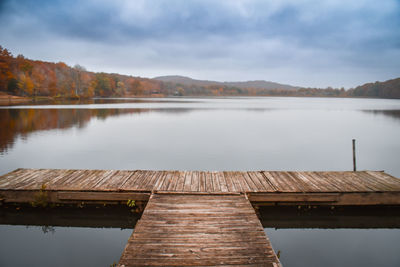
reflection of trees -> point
(395, 114)
(48, 229)
(21, 122)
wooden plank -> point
(174, 176)
(386, 178)
(166, 181)
(222, 181)
(238, 176)
(202, 185)
(90, 179)
(115, 182)
(293, 197)
(274, 179)
(146, 179)
(252, 185)
(322, 184)
(232, 181)
(8, 178)
(265, 185)
(209, 182)
(180, 181)
(342, 181)
(39, 179)
(379, 185)
(188, 182)
(216, 182)
(102, 196)
(66, 181)
(132, 182)
(25, 178)
(229, 182)
(160, 180)
(195, 185)
(182, 230)
(139, 183)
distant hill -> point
(259, 84)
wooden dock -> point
(261, 187)
(200, 230)
(198, 217)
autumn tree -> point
(6, 76)
(121, 89)
(25, 84)
(135, 86)
(103, 85)
(77, 71)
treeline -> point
(23, 77)
(388, 89)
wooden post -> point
(354, 155)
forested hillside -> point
(388, 89)
(24, 77)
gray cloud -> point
(308, 43)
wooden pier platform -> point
(261, 187)
(198, 230)
(196, 217)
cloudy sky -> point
(305, 43)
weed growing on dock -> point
(131, 203)
(41, 197)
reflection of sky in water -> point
(61, 246)
(336, 247)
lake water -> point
(209, 134)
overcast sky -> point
(305, 43)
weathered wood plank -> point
(100, 196)
(131, 183)
(115, 182)
(188, 181)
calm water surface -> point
(61, 246)
(208, 134)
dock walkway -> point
(200, 230)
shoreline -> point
(12, 99)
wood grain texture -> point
(198, 230)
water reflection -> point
(89, 101)
(92, 217)
(202, 134)
(66, 236)
(328, 217)
(356, 237)
(22, 122)
(64, 247)
(395, 114)
(303, 237)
